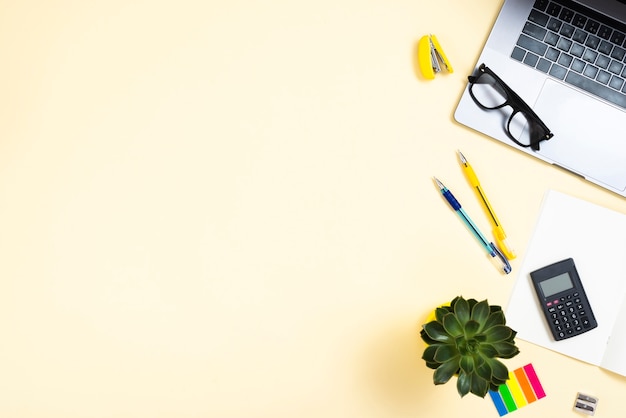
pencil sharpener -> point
(585, 404)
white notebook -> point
(595, 237)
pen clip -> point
(506, 266)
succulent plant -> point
(465, 339)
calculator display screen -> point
(556, 284)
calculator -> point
(563, 299)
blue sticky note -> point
(498, 402)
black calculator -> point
(563, 299)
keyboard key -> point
(565, 60)
(603, 77)
(592, 26)
(541, 4)
(616, 67)
(590, 56)
(558, 72)
(518, 53)
(592, 42)
(577, 50)
(567, 30)
(618, 53)
(605, 47)
(605, 32)
(552, 54)
(600, 91)
(543, 65)
(539, 18)
(603, 61)
(552, 38)
(554, 24)
(535, 31)
(531, 59)
(564, 44)
(553, 9)
(590, 71)
(579, 36)
(578, 65)
(616, 82)
(579, 21)
(531, 44)
(617, 38)
(566, 15)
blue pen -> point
(491, 249)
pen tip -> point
(440, 184)
(462, 157)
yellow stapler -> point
(430, 54)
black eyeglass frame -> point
(517, 104)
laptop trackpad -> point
(588, 134)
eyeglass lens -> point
(489, 93)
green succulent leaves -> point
(465, 339)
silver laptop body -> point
(585, 111)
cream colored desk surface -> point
(225, 209)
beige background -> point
(225, 209)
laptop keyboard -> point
(576, 45)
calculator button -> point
(585, 322)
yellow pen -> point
(498, 231)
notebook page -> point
(615, 354)
(594, 237)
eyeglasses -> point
(523, 126)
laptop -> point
(567, 61)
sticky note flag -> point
(522, 388)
